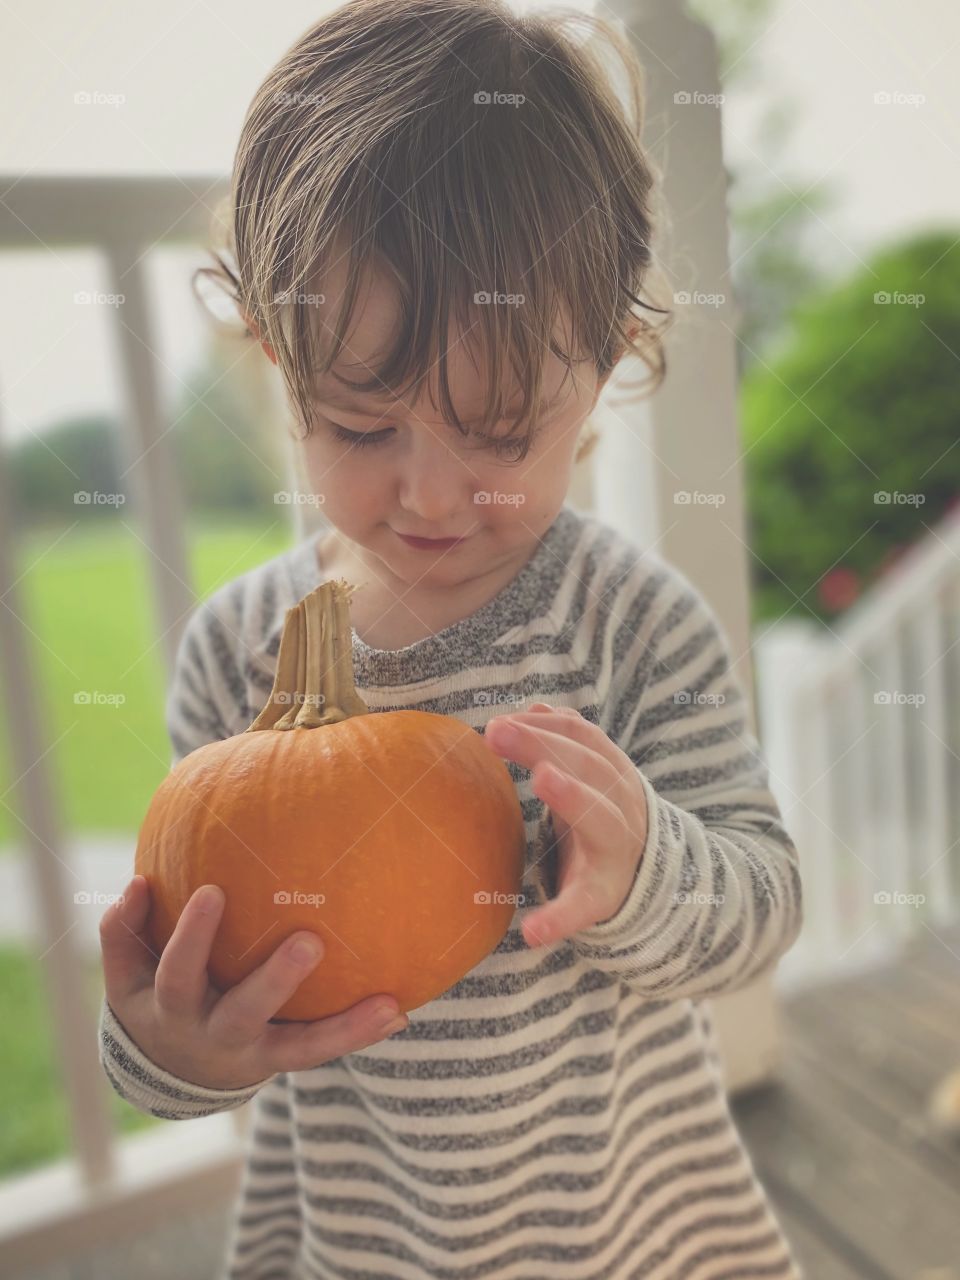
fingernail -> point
(304, 951)
(398, 1024)
(540, 706)
(209, 900)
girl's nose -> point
(435, 484)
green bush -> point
(863, 401)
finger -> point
(239, 1016)
(576, 907)
(583, 807)
(300, 1046)
(528, 741)
(181, 981)
(129, 961)
(568, 722)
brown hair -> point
(466, 150)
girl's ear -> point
(272, 355)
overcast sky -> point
(181, 75)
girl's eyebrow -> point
(340, 401)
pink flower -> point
(838, 589)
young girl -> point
(441, 223)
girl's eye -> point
(360, 438)
(504, 448)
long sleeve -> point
(151, 1089)
(717, 895)
(193, 718)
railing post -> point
(61, 958)
(894, 832)
(781, 655)
(935, 877)
(148, 446)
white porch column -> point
(667, 471)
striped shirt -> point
(560, 1112)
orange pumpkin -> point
(396, 836)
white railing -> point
(862, 735)
(53, 1211)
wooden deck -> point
(864, 1187)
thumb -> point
(129, 962)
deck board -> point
(861, 1182)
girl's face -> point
(386, 468)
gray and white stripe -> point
(560, 1111)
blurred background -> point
(801, 464)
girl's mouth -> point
(431, 544)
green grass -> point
(89, 626)
(85, 604)
(36, 1127)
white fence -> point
(861, 729)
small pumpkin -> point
(397, 836)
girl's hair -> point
(466, 151)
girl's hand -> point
(221, 1040)
(599, 813)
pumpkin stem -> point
(314, 682)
